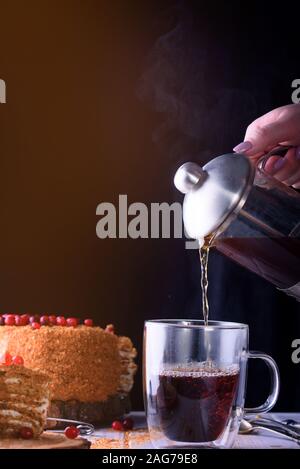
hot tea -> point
(203, 254)
(194, 403)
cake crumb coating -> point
(83, 363)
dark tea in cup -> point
(194, 403)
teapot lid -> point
(213, 192)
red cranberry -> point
(6, 359)
(71, 432)
(26, 433)
(44, 320)
(88, 322)
(52, 320)
(9, 320)
(2, 321)
(61, 321)
(110, 328)
(72, 322)
(117, 425)
(25, 319)
(35, 318)
(17, 360)
(35, 325)
(20, 320)
(128, 423)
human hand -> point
(278, 127)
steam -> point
(200, 113)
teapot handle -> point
(275, 151)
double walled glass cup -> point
(195, 381)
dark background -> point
(108, 98)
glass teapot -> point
(252, 217)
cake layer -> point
(24, 400)
(20, 380)
(86, 364)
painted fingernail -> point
(298, 153)
(242, 147)
(279, 164)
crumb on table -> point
(128, 440)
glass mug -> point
(194, 382)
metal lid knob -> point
(187, 176)
(214, 192)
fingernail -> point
(242, 147)
(298, 153)
(279, 164)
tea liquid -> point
(194, 404)
(204, 254)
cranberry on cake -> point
(91, 369)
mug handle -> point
(274, 374)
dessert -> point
(24, 401)
(91, 369)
